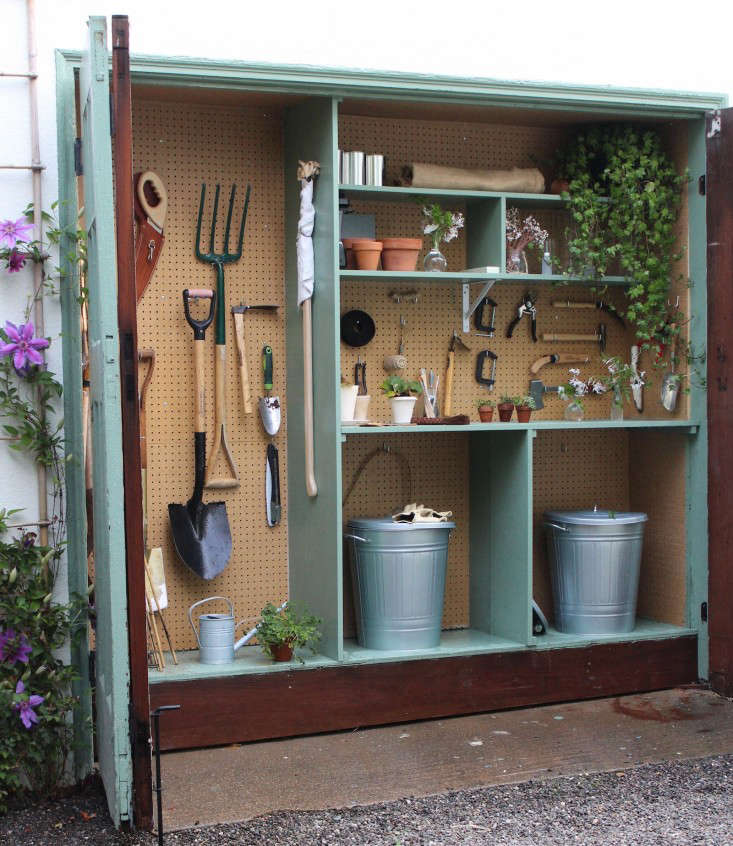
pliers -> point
(527, 307)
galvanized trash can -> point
(398, 574)
(594, 567)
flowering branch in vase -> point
(519, 235)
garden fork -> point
(219, 260)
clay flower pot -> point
(486, 413)
(557, 186)
(282, 651)
(400, 253)
(524, 412)
(505, 409)
(366, 254)
(349, 250)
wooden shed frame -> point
(339, 694)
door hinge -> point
(704, 612)
(701, 185)
(78, 166)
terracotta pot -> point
(400, 253)
(349, 250)
(524, 412)
(557, 186)
(486, 412)
(505, 409)
(366, 254)
(282, 651)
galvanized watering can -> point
(215, 634)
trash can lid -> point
(595, 517)
(387, 524)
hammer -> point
(600, 338)
(536, 390)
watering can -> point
(215, 634)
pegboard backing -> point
(187, 144)
(618, 470)
(438, 478)
(657, 486)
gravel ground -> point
(687, 802)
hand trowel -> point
(270, 413)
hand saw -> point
(151, 205)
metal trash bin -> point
(595, 558)
(398, 575)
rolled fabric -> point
(520, 180)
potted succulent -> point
(525, 406)
(402, 394)
(282, 631)
(485, 409)
(505, 408)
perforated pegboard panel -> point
(187, 145)
(573, 470)
(657, 487)
(438, 478)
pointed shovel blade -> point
(203, 543)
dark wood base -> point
(258, 707)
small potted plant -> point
(505, 408)
(525, 406)
(282, 631)
(440, 225)
(485, 410)
(402, 394)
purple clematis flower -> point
(22, 345)
(27, 715)
(16, 260)
(14, 647)
(12, 231)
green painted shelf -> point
(466, 276)
(535, 425)
(397, 194)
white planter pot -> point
(402, 408)
(348, 402)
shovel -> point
(200, 531)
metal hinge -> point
(78, 166)
(704, 612)
(701, 185)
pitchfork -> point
(219, 260)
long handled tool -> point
(200, 531)
(238, 314)
(219, 260)
(455, 341)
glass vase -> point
(617, 407)
(516, 261)
(435, 261)
(573, 411)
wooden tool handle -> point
(448, 392)
(242, 355)
(572, 304)
(220, 435)
(311, 487)
(591, 339)
(198, 366)
(558, 358)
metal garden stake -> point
(158, 786)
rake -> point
(219, 260)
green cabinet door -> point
(112, 660)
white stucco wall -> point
(643, 43)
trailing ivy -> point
(624, 198)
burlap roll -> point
(519, 180)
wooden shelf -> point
(465, 276)
(397, 194)
(535, 425)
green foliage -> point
(525, 402)
(624, 199)
(485, 403)
(396, 386)
(505, 399)
(290, 625)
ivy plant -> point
(624, 196)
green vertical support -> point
(112, 652)
(501, 534)
(314, 523)
(484, 232)
(697, 451)
(76, 523)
